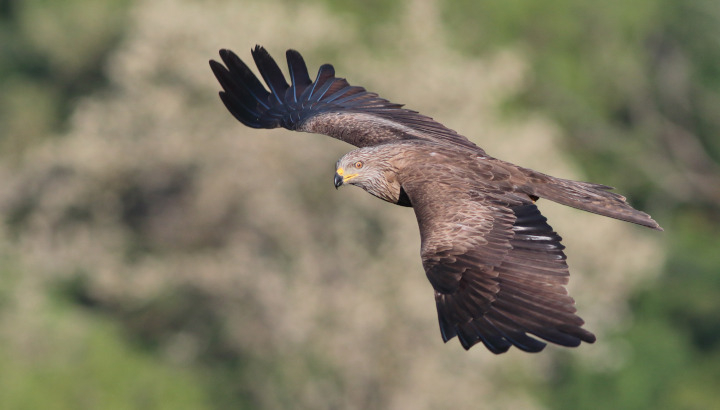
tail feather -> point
(593, 198)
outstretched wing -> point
(497, 267)
(329, 105)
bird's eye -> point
(358, 164)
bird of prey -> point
(497, 268)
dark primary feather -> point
(329, 105)
(299, 76)
(271, 73)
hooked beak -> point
(341, 177)
(338, 180)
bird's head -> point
(354, 168)
(371, 171)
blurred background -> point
(155, 253)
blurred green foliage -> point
(65, 356)
(51, 53)
(635, 85)
(84, 362)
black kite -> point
(497, 267)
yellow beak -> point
(341, 178)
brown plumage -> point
(497, 268)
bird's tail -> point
(593, 198)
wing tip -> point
(217, 68)
(291, 53)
